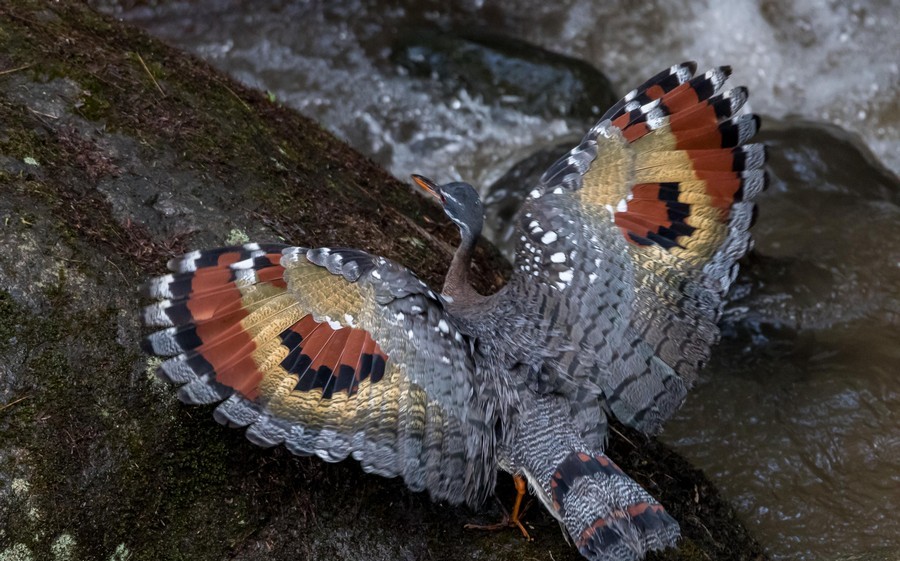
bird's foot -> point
(510, 520)
(507, 522)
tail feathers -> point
(608, 515)
(628, 535)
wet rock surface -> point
(119, 152)
(820, 241)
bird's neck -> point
(456, 283)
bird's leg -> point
(510, 520)
(521, 488)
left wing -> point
(332, 352)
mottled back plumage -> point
(627, 246)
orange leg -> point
(521, 488)
(510, 520)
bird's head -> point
(460, 201)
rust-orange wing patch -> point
(331, 361)
(202, 304)
(216, 305)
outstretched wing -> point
(636, 233)
(332, 352)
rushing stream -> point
(797, 419)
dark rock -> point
(506, 71)
(827, 209)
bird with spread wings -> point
(626, 248)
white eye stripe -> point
(449, 196)
(460, 223)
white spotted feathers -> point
(541, 254)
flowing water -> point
(798, 417)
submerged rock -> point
(507, 71)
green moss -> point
(92, 105)
(163, 476)
(23, 143)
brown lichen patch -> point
(84, 154)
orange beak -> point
(429, 186)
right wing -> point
(634, 236)
(333, 352)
